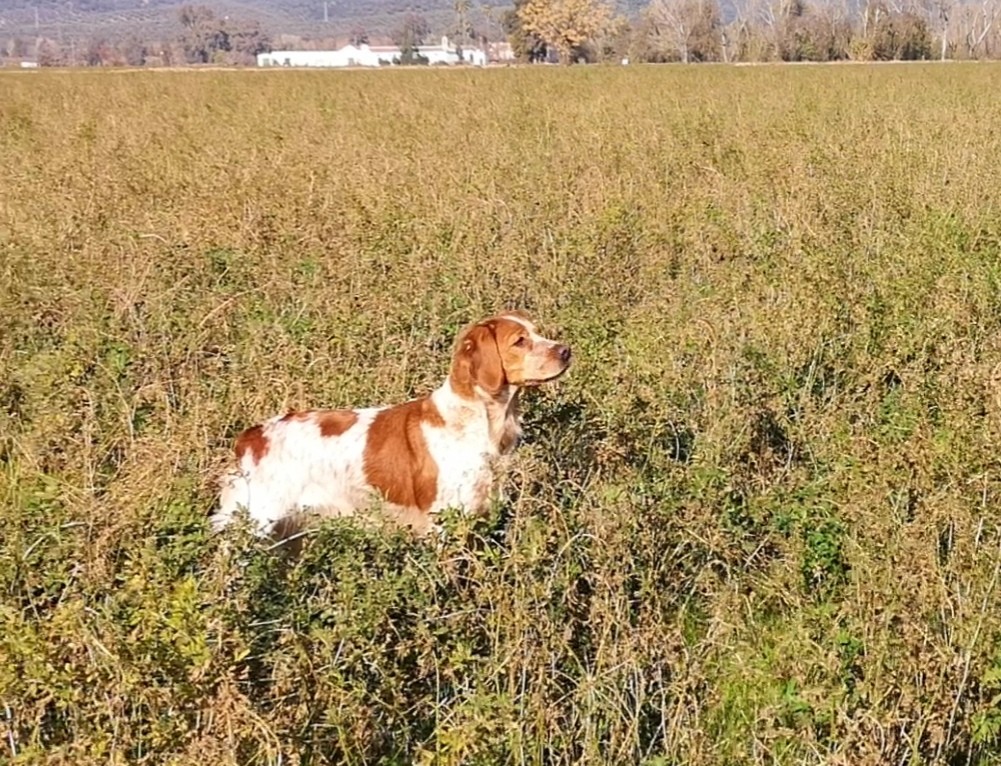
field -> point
(758, 523)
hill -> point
(158, 19)
(314, 19)
(83, 19)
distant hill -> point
(158, 19)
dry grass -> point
(757, 524)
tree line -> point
(572, 31)
(693, 31)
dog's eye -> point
(521, 341)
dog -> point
(417, 458)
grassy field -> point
(758, 523)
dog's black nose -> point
(564, 352)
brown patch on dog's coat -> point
(397, 461)
(253, 441)
(335, 422)
(330, 422)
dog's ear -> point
(477, 362)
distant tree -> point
(246, 40)
(643, 46)
(900, 36)
(690, 28)
(16, 48)
(203, 35)
(758, 28)
(463, 32)
(943, 10)
(98, 53)
(885, 35)
(915, 43)
(566, 25)
(49, 53)
(814, 34)
(462, 29)
(976, 27)
(206, 38)
(790, 42)
(527, 47)
(414, 30)
(359, 36)
(411, 56)
(173, 54)
(134, 51)
(614, 42)
(409, 36)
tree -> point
(913, 37)
(944, 8)
(762, 29)
(977, 24)
(527, 47)
(207, 38)
(246, 40)
(98, 52)
(613, 42)
(415, 30)
(412, 34)
(812, 33)
(203, 34)
(134, 51)
(16, 48)
(462, 28)
(49, 53)
(890, 35)
(691, 28)
(565, 25)
(359, 36)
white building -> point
(447, 54)
(349, 55)
(500, 52)
(370, 55)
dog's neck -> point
(505, 421)
(500, 414)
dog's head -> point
(502, 353)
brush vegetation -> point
(757, 523)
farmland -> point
(759, 522)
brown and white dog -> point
(419, 457)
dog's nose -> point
(564, 352)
